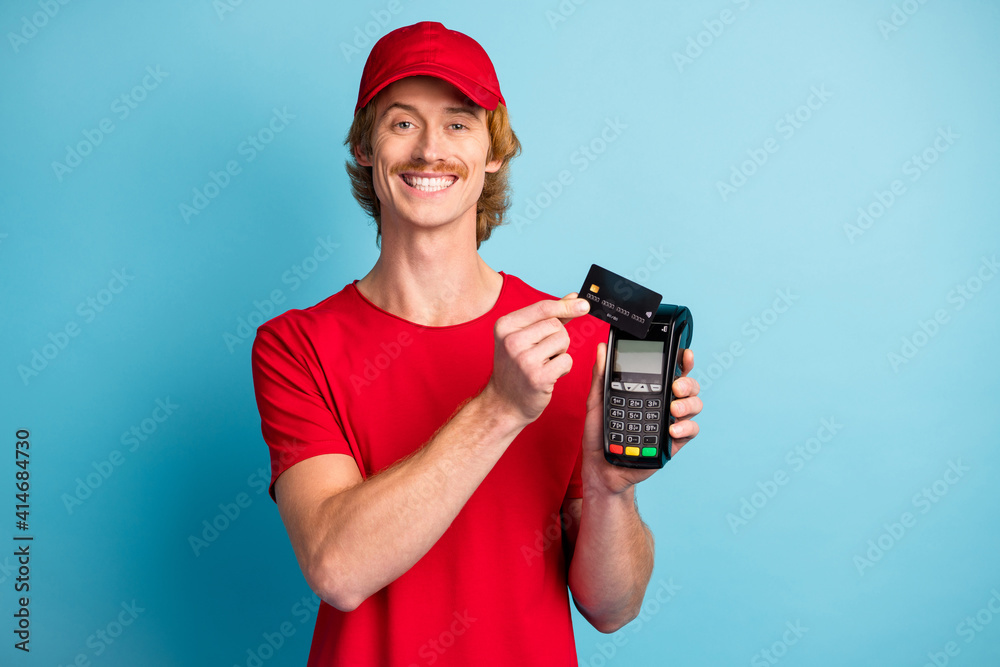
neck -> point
(432, 277)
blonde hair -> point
(493, 202)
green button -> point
(649, 451)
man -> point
(435, 428)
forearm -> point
(612, 561)
(375, 531)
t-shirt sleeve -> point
(296, 419)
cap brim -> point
(475, 92)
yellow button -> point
(631, 451)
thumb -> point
(596, 397)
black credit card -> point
(619, 301)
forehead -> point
(425, 93)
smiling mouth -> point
(428, 184)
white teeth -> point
(429, 184)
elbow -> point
(334, 586)
(611, 624)
(608, 621)
(341, 600)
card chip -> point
(594, 288)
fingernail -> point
(581, 306)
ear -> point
(493, 166)
(363, 159)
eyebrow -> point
(464, 110)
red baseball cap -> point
(431, 49)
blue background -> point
(800, 318)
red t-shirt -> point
(346, 377)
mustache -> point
(457, 168)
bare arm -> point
(353, 537)
(611, 548)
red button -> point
(615, 449)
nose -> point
(429, 147)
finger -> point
(564, 309)
(572, 296)
(687, 408)
(687, 362)
(518, 341)
(602, 357)
(685, 386)
(552, 369)
(683, 431)
(547, 348)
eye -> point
(457, 126)
(404, 124)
